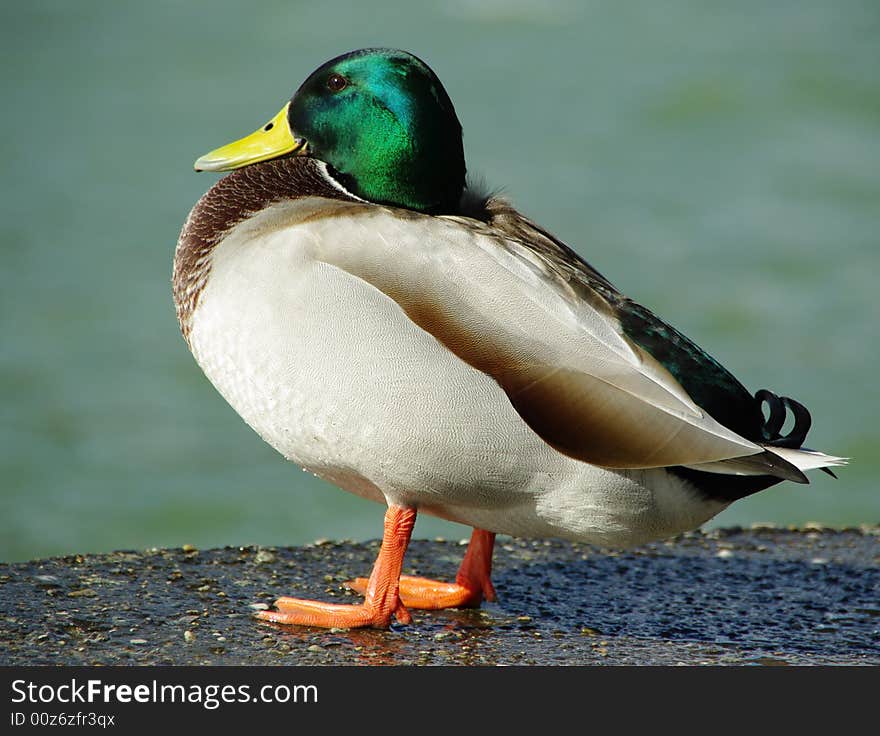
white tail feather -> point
(801, 459)
(808, 459)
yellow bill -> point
(274, 139)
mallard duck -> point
(426, 346)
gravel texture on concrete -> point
(762, 596)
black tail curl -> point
(778, 407)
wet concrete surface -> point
(761, 596)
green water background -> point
(720, 162)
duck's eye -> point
(336, 83)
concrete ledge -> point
(759, 596)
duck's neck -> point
(430, 182)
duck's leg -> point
(381, 589)
(471, 586)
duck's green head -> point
(380, 118)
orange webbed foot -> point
(427, 594)
(387, 593)
(334, 615)
(381, 601)
(472, 584)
